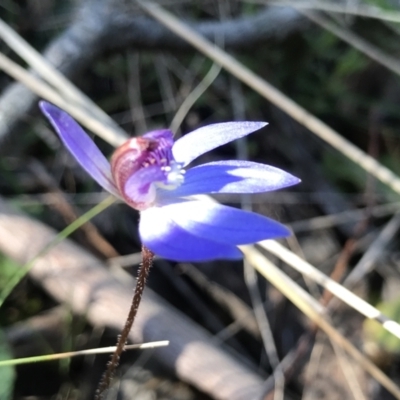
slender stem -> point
(147, 257)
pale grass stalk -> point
(275, 96)
(70, 354)
(315, 311)
(327, 283)
(52, 76)
(45, 91)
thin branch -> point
(367, 261)
(373, 52)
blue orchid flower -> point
(148, 173)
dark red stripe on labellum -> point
(129, 158)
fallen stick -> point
(72, 275)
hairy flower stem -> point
(147, 257)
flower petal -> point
(81, 146)
(223, 224)
(204, 139)
(161, 235)
(231, 177)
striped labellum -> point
(144, 163)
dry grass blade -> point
(315, 311)
(45, 91)
(268, 91)
(52, 75)
(376, 54)
(348, 9)
(335, 288)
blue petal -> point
(81, 146)
(162, 236)
(204, 139)
(223, 224)
(231, 177)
